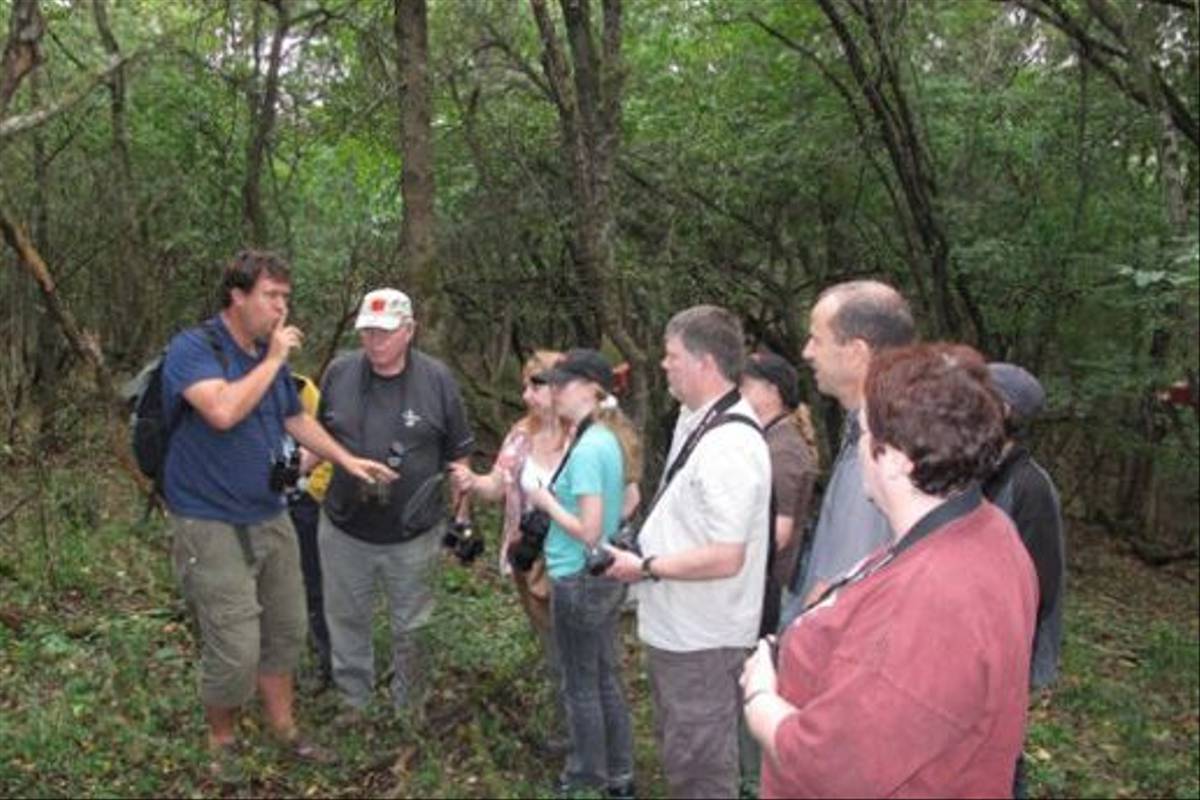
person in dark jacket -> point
(1022, 488)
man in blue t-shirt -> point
(235, 553)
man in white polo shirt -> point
(704, 553)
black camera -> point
(627, 538)
(285, 471)
(461, 540)
(598, 559)
(534, 525)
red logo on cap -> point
(377, 304)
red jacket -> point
(913, 682)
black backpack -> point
(150, 424)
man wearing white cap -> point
(404, 407)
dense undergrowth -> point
(98, 695)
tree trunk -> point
(262, 124)
(84, 343)
(47, 348)
(127, 331)
(1103, 34)
(587, 97)
(417, 241)
(887, 100)
(22, 50)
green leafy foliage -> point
(750, 172)
(98, 684)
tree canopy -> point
(560, 172)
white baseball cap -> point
(386, 309)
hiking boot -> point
(568, 788)
(621, 791)
(306, 751)
(316, 682)
(350, 719)
(557, 744)
(225, 765)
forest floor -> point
(98, 687)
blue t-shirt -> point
(595, 467)
(222, 475)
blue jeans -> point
(586, 611)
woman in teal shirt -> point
(585, 505)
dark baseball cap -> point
(777, 371)
(1019, 389)
(582, 363)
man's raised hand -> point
(284, 339)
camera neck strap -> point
(365, 378)
(580, 429)
(775, 421)
(957, 506)
(712, 418)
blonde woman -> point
(527, 459)
(585, 503)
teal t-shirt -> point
(595, 467)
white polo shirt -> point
(722, 494)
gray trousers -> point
(351, 569)
(696, 705)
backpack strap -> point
(209, 329)
(214, 341)
(771, 600)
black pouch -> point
(426, 507)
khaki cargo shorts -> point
(251, 615)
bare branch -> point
(1115, 61)
(19, 124)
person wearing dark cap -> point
(772, 387)
(1022, 489)
(584, 501)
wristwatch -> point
(646, 573)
